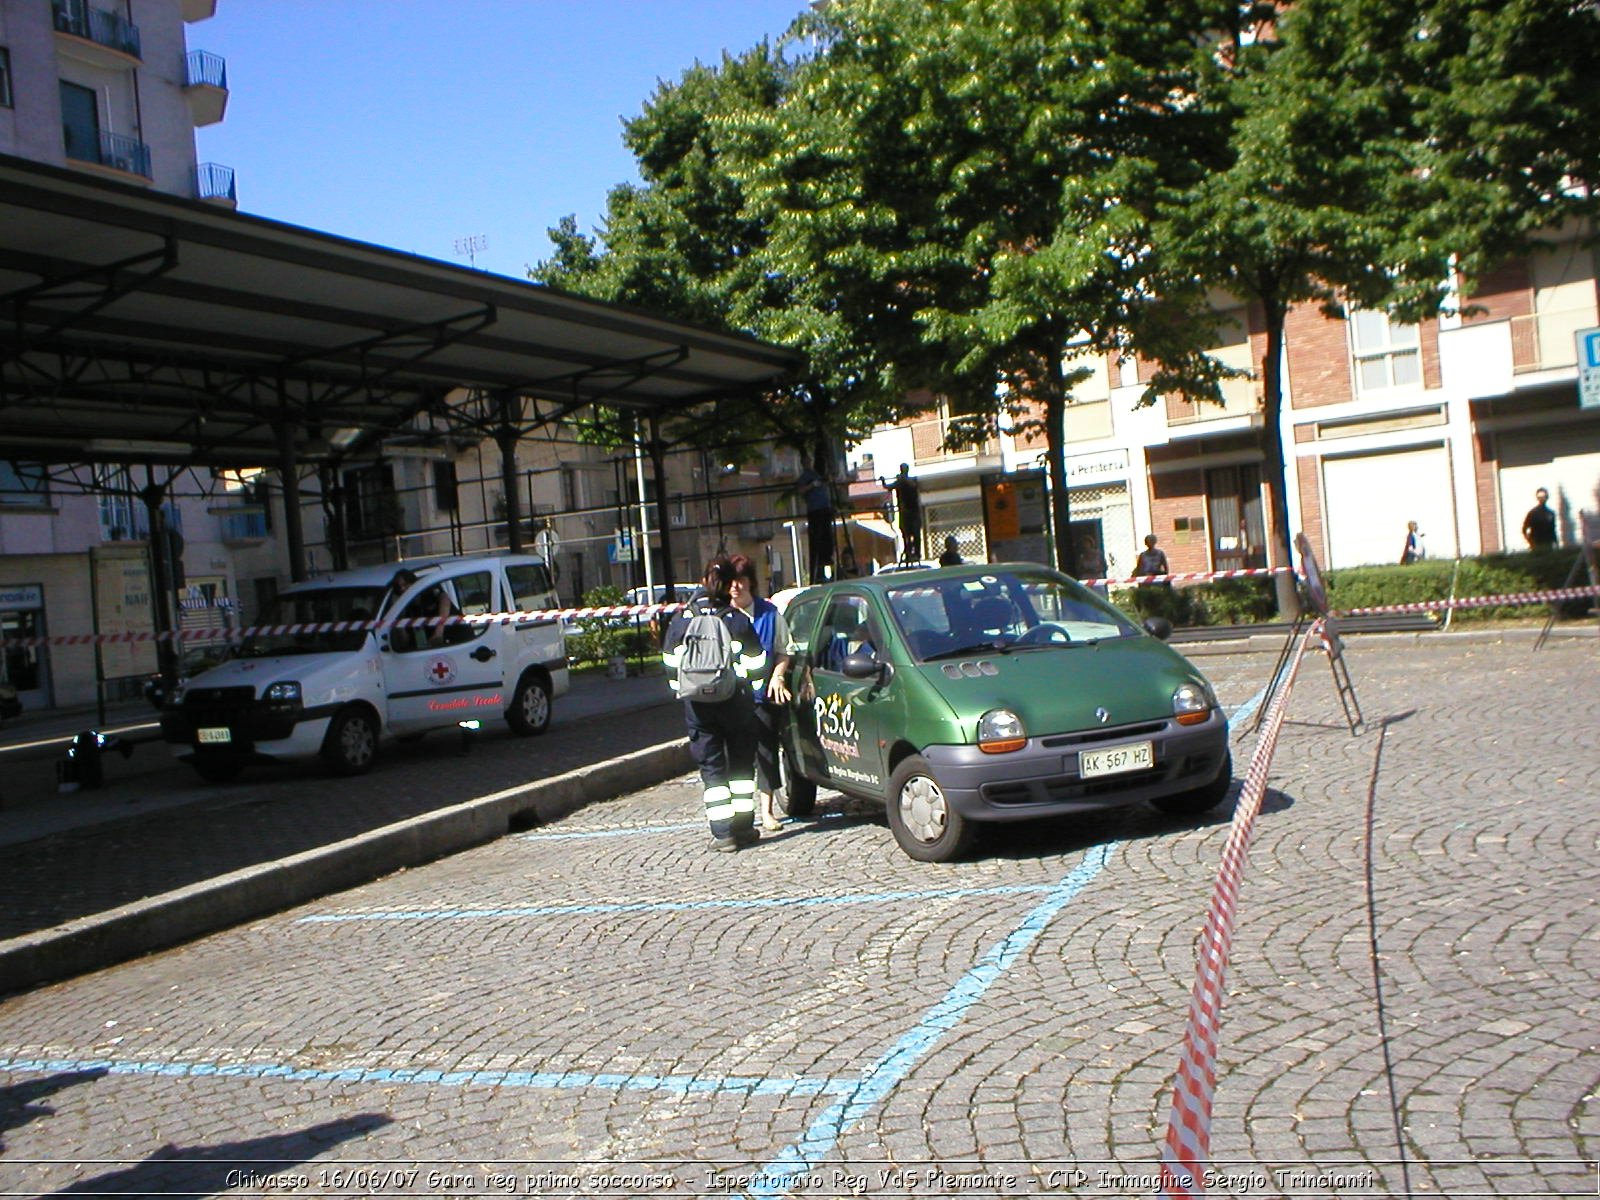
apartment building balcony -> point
(241, 524)
(1240, 409)
(205, 86)
(930, 457)
(1548, 341)
(198, 10)
(214, 184)
(116, 152)
(91, 34)
(1520, 354)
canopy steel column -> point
(154, 496)
(507, 433)
(289, 476)
(658, 468)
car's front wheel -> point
(922, 819)
(529, 713)
(1201, 799)
(352, 742)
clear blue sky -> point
(415, 123)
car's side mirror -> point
(1158, 627)
(859, 665)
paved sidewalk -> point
(157, 855)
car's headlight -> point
(1000, 731)
(283, 693)
(1192, 703)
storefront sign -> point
(1589, 368)
(15, 597)
(1089, 470)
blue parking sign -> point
(1589, 368)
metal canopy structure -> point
(141, 327)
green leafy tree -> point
(686, 242)
(965, 188)
(1374, 149)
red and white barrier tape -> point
(1190, 576)
(1508, 599)
(1188, 1145)
(225, 633)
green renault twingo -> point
(993, 692)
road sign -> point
(1589, 368)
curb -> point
(119, 934)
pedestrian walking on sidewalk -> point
(711, 653)
(771, 690)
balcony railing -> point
(928, 437)
(214, 182)
(96, 25)
(1547, 341)
(243, 525)
(108, 149)
(201, 68)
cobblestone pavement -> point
(603, 1007)
(273, 811)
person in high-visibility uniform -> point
(722, 733)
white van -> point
(301, 694)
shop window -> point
(444, 486)
(20, 665)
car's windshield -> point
(1005, 610)
(316, 606)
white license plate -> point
(1114, 760)
(213, 737)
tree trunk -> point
(1055, 431)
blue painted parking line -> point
(1242, 714)
(883, 1076)
(750, 1085)
(649, 906)
(856, 1095)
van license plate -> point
(1114, 760)
(213, 737)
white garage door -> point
(1565, 463)
(1370, 497)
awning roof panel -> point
(135, 315)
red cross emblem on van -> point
(441, 670)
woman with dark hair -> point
(711, 653)
(771, 690)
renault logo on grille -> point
(1103, 715)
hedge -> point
(1245, 601)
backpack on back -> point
(705, 670)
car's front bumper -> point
(256, 730)
(1042, 778)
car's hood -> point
(260, 673)
(1059, 689)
